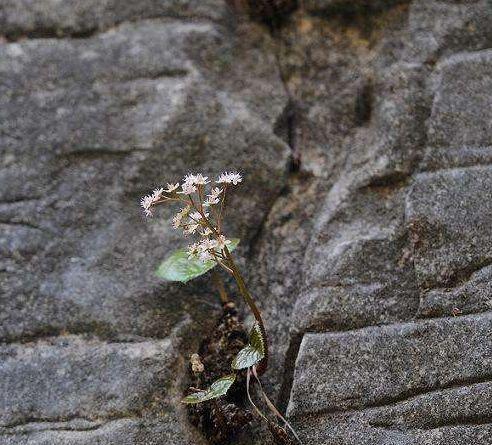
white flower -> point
(200, 179)
(146, 202)
(222, 242)
(157, 193)
(190, 229)
(229, 178)
(178, 218)
(206, 232)
(205, 256)
(171, 187)
(213, 197)
(193, 250)
(187, 188)
(197, 179)
(197, 216)
(149, 200)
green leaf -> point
(178, 267)
(251, 354)
(217, 389)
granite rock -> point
(363, 132)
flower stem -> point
(262, 366)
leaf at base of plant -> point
(252, 353)
(217, 389)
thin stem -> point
(242, 289)
(252, 305)
(222, 201)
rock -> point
(475, 295)
(460, 106)
(379, 366)
(72, 377)
(448, 215)
(49, 18)
(440, 29)
(121, 431)
(77, 390)
(92, 136)
(362, 130)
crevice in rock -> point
(95, 423)
(49, 33)
(272, 13)
(457, 421)
(348, 10)
(19, 35)
(405, 396)
(462, 276)
(26, 224)
(99, 330)
(364, 103)
(221, 419)
(287, 128)
(19, 199)
(394, 179)
(289, 368)
(98, 153)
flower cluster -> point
(201, 213)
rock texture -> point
(364, 132)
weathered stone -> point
(83, 140)
(50, 18)
(382, 365)
(456, 415)
(381, 112)
(475, 295)
(122, 431)
(72, 377)
(460, 106)
(438, 29)
(448, 214)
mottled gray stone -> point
(87, 127)
(448, 213)
(80, 390)
(383, 219)
(73, 377)
(443, 158)
(461, 104)
(51, 18)
(383, 365)
(121, 431)
(441, 28)
(435, 419)
(475, 295)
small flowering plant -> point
(201, 215)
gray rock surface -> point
(363, 130)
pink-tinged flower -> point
(146, 202)
(187, 188)
(171, 187)
(149, 200)
(222, 242)
(213, 197)
(229, 178)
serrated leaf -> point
(217, 389)
(251, 354)
(178, 267)
(256, 339)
